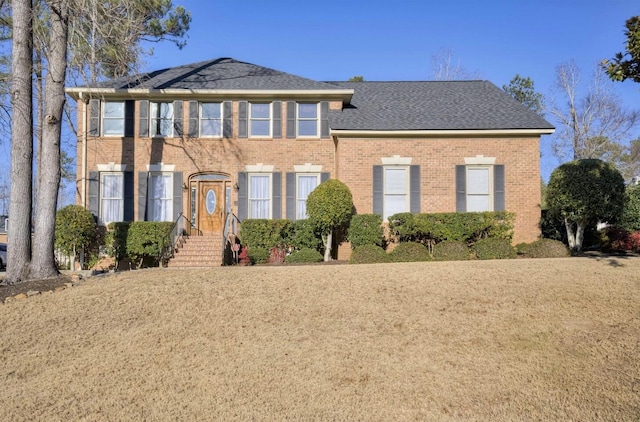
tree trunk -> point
(575, 238)
(327, 246)
(571, 237)
(19, 253)
(43, 264)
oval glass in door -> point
(211, 201)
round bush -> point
(543, 248)
(304, 255)
(258, 255)
(494, 248)
(368, 254)
(451, 250)
(410, 252)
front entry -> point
(211, 206)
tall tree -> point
(627, 65)
(447, 68)
(522, 90)
(19, 254)
(593, 124)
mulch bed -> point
(32, 285)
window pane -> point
(478, 203)
(260, 128)
(394, 204)
(395, 180)
(113, 126)
(306, 184)
(259, 196)
(211, 128)
(114, 109)
(160, 195)
(307, 111)
(308, 128)
(260, 111)
(210, 110)
(112, 198)
(478, 181)
(166, 110)
(166, 127)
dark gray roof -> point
(436, 105)
(222, 74)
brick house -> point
(223, 137)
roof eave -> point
(357, 133)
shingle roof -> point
(219, 74)
(436, 105)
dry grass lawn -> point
(546, 339)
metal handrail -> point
(230, 230)
(182, 229)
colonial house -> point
(222, 139)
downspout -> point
(83, 184)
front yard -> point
(526, 339)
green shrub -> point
(494, 248)
(366, 229)
(302, 234)
(451, 250)
(146, 239)
(258, 255)
(631, 215)
(75, 228)
(263, 233)
(116, 240)
(368, 254)
(304, 255)
(543, 248)
(410, 252)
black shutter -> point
(242, 120)
(94, 193)
(291, 119)
(324, 119)
(291, 196)
(277, 119)
(461, 188)
(94, 117)
(414, 189)
(194, 127)
(142, 196)
(128, 117)
(177, 194)
(227, 124)
(324, 176)
(178, 119)
(128, 196)
(143, 119)
(276, 196)
(378, 191)
(243, 198)
(498, 188)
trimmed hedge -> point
(258, 255)
(410, 252)
(494, 248)
(263, 233)
(467, 227)
(543, 248)
(369, 254)
(366, 229)
(146, 239)
(304, 255)
(302, 234)
(451, 250)
(116, 240)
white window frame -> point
(307, 119)
(106, 118)
(155, 118)
(407, 190)
(202, 119)
(252, 119)
(102, 197)
(151, 199)
(300, 200)
(489, 192)
(251, 197)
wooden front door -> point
(211, 206)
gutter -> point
(349, 133)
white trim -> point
(153, 117)
(161, 167)
(396, 160)
(306, 119)
(447, 132)
(251, 119)
(259, 168)
(101, 198)
(490, 194)
(113, 167)
(307, 168)
(480, 160)
(200, 119)
(407, 187)
(103, 106)
(250, 198)
(304, 174)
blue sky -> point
(396, 40)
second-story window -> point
(113, 118)
(211, 119)
(308, 120)
(260, 119)
(161, 119)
